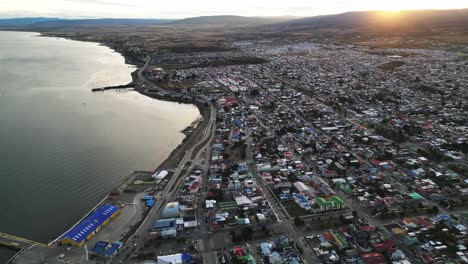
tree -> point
(191, 248)
(247, 233)
(180, 240)
(300, 249)
(298, 221)
(254, 92)
(341, 217)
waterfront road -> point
(171, 190)
(195, 155)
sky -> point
(191, 8)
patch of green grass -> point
(293, 209)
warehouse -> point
(90, 225)
(171, 210)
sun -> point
(398, 5)
(392, 7)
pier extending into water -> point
(17, 244)
(115, 87)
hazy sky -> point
(189, 8)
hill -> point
(227, 20)
(104, 22)
(383, 21)
(24, 21)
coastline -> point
(176, 154)
(115, 49)
(203, 109)
(172, 160)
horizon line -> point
(221, 15)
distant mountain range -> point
(230, 21)
(411, 20)
(25, 21)
(58, 22)
(193, 21)
(360, 21)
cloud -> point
(190, 8)
(105, 2)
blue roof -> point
(106, 249)
(285, 196)
(90, 223)
(164, 223)
(150, 203)
(444, 216)
(301, 198)
(115, 246)
(186, 257)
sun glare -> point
(398, 5)
(388, 15)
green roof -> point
(332, 201)
(345, 188)
(228, 205)
(249, 259)
(415, 196)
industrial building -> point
(159, 176)
(90, 225)
(171, 210)
(165, 227)
(105, 249)
(174, 259)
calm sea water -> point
(62, 147)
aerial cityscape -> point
(301, 132)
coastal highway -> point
(192, 155)
(148, 83)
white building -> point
(172, 210)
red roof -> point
(373, 258)
(387, 246)
(193, 186)
(428, 259)
(239, 251)
(367, 228)
(327, 236)
(329, 172)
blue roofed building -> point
(90, 225)
(165, 227)
(105, 249)
(150, 203)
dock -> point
(17, 243)
(116, 87)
